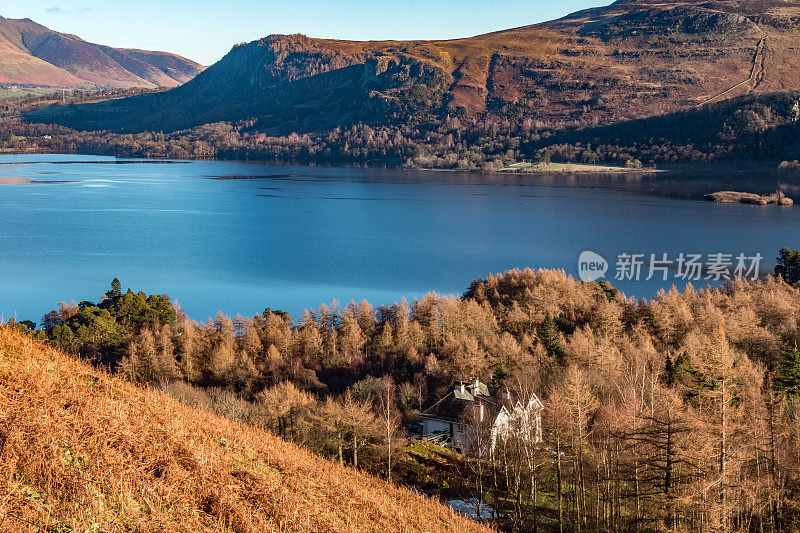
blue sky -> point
(205, 30)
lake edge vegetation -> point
(678, 413)
(755, 128)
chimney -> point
(462, 388)
(476, 386)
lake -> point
(238, 237)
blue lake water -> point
(241, 236)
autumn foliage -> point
(81, 450)
(678, 413)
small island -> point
(734, 197)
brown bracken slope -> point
(632, 59)
(83, 451)
(31, 54)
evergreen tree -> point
(788, 266)
(669, 370)
(550, 338)
(788, 378)
(116, 289)
(499, 376)
(680, 373)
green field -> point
(569, 167)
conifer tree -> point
(788, 266)
(116, 289)
(788, 378)
(550, 338)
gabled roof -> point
(483, 388)
(462, 395)
(453, 407)
(535, 404)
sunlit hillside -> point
(83, 451)
(629, 60)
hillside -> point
(31, 54)
(628, 60)
(758, 126)
(82, 451)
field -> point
(570, 168)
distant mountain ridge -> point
(32, 54)
(632, 59)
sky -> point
(205, 30)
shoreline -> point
(552, 168)
(576, 168)
(515, 168)
(715, 168)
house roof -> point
(535, 404)
(462, 394)
(454, 405)
(450, 407)
(482, 388)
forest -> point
(14, 106)
(761, 128)
(680, 413)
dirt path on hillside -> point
(757, 72)
(762, 65)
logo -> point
(591, 266)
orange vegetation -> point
(83, 451)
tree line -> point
(679, 413)
(756, 127)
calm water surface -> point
(239, 237)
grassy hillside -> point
(624, 61)
(83, 451)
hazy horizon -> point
(209, 33)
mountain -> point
(31, 54)
(83, 451)
(632, 59)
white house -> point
(522, 421)
(468, 410)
